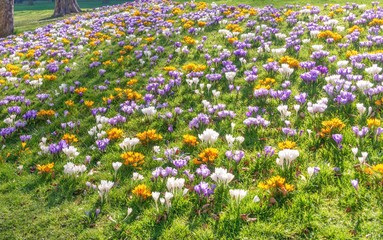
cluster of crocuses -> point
(237, 94)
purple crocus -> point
(189, 175)
(203, 171)
(269, 151)
(25, 138)
(236, 155)
(52, 67)
(180, 162)
(14, 109)
(102, 144)
(301, 98)
(102, 72)
(4, 132)
(203, 189)
(56, 148)
(360, 132)
(338, 139)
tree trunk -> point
(6, 17)
(63, 7)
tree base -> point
(64, 7)
(6, 18)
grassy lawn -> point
(58, 206)
(29, 17)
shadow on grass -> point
(50, 18)
(52, 194)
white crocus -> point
(362, 159)
(364, 85)
(137, 177)
(116, 166)
(256, 199)
(129, 211)
(361, 108)
(209, 136)
(43, 146)
(129, 143)
(342, 63)
(286, 156)
(319, 107)
(208, 86)
(156, 196)
(285, 70)
(373, 70)
(216, 93)
(240, 139)
(354, 151)
(278, 51)
(317, 47)
(72, 169)
(283, 110)
(104, 188)
(71, 152)
(297, 107)
(149, 111)
(230, 76)
(230, 140)
(175, 184)
(168, 197)
(237, 194)
(340, 28)
(156, 149)
(232, 125)
(221, 175)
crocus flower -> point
(136, 176)
(203, 171)
(175, 184)
(168, 198)
(72, 169)
(129, 143)
(116, 166)
(209, 136)
(313, 170)
(374, 69)
(360, 132)
(236, 155)
(149, 111)
(338, 139)
(155, 196)
(355, 183)
(221, 175)
(237, 194)
(286, 156)
(203, 189)
(102, 144)
(71, 152)
(104, 188)
(363, 158)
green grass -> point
(30, 17)
(34, 206)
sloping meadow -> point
(156, 119)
